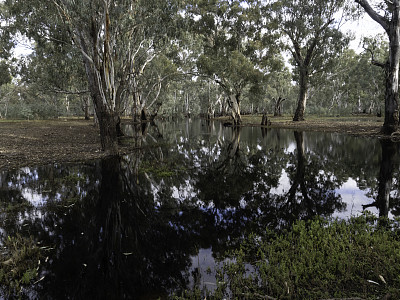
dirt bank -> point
(24, 143)
(27, 143)
(358, 125)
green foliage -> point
(5, 76)
(353, 84)
(237, 54)
(237, 44)
(19, 264)
(159, 170)
(317, 259)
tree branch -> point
(375, 62)
(373, 14)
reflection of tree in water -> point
(122, 247)
(119, 229)
(224, 182)
(241, 190)
(383, 198)
(114, 243)
(312, 191)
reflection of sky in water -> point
(33, 197)
(203, 269)
(355, 199)
(351, 195)
(203, 155)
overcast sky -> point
(364, 27)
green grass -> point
(19, 264)
(314, 260)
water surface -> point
(153, 222)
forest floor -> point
(28, 143)
(357, 125)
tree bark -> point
(392, 28)
(234, 104)
(302, 99)
(278, 106)
(86, 108)
(391, 123)
(105, 116)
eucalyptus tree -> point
(310, 34)
(55, 70)
(235, 49)
(5, 80)
(109, 35)
(7, 42)
(387, 14)
(352, 85)
(152, 86)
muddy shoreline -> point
(29, 143)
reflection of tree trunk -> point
(113, 229)
(233, 147)
(264, 132)
(109, 223)
(385, 178)
(300, 170)
(231, 162)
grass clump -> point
(19, 264)
(318, 259)
(158, 169)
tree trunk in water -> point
(108, 131)
(155, 111)
(235, 109)
(143, 115)
(391, 123)
(301, 102)
(108, 122)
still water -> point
(154, 222)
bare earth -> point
(24, 143)
(28, 143)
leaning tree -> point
(310, 34)
(387, 14)
(108, 35)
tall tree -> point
(387, 14)
(311, 38)
(108, 35)
(235, 49)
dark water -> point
(153, 222)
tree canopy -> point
(182, 57)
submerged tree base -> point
(315, 260)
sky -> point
(364, 27)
